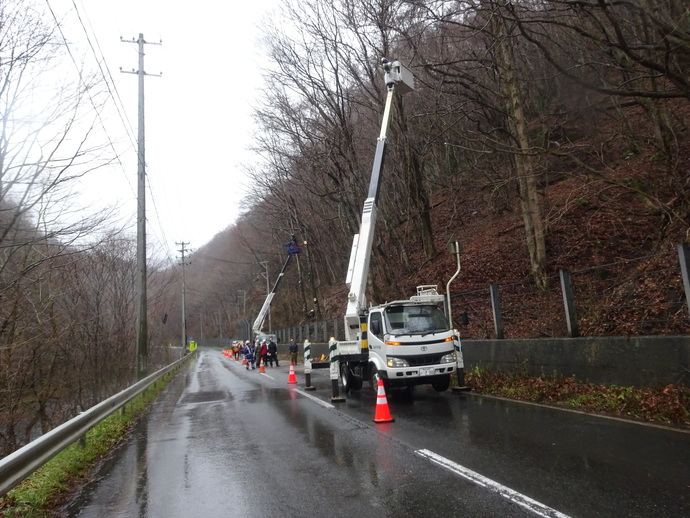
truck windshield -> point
(415, 320)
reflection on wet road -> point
(223, 441)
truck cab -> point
(410, 342)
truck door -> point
(376, 334)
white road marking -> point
(524, 501)
(317, 400)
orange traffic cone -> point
(261, 365)
(244, 361)
(383, 415)
(230, 353)
(292, 379)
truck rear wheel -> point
(348, 379)
(441, 383)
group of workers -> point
(265, 351)
(262, 350)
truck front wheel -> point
(441, 383)
(375, 376)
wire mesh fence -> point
(638, 296)
(523, 310)
(646, 298)
(626, 297)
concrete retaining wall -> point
(638, 361)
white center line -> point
(524, 501)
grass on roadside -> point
(669, 405)
(36, 495)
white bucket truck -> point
(404, 342)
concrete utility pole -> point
(220, 323)
(142, 302)
(245, 324)
(244, 302)
(182, 251)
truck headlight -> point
(396, 362)
(449, 358)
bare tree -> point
(48, 303)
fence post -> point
(496, 306)
(683, 255)
(335, 328)
(569, 303)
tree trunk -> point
(522, 160)
(417, 191)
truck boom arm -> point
(292, 249)
(398, 76)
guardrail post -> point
(335, 370)
(307, 366)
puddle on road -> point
(211, 396)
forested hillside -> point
(542, 135)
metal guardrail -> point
(20, 464)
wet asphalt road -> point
(225, 442)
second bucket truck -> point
(292, 249)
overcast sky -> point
(198, 124)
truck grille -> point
(427, 359)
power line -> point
(114, 95)
(81, 79)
